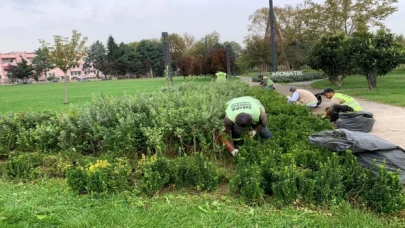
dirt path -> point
(390, 120)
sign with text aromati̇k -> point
(286, 73)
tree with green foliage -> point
(127, 62)
(150, 57)
(41, 62)
(257, 51)
(65, 53)
(331, 55)
(112, 54)
(96, 59)
(235, 47)
(375, 55)
(22, 70)
(352, 16)
(298, 27)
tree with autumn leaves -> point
(299, 27)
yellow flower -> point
(144, 160)
(99, 164)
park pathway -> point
(390, 120)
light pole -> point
(228, 64)
(273, 42)
(167, 58)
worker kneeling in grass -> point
(243, 114)
(266, 82)
(339, 103)
(303, 97)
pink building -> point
(13, 57)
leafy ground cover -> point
(390, 88)
(38, 97)
(162, 145)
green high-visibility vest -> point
(245, 104)
(349, 101)
(267, 81)
(221, 76)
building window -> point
(75, 73)
(51, 74)
(8, 61)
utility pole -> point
(273, 42)
(228, 65)
(206, 45)
(167, 58)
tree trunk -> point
(372, 80)
(66, 95)
(340, 81)
(335, 81)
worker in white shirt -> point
(302, 97)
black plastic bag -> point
(356, 121)
(365, 147)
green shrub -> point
(291, 184)
(100, 177)
(196, 171)
(157, 173)
(382, 193)
(188, 171)
(329, 181)
(24, 166)
(248, 180)
(126, 124)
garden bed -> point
(167, 139)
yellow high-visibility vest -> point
(349, 101)
(221, 76)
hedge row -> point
(185, 117)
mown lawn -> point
(50, 203)
(39, 97)
(390, 88)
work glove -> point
(288, 97)
(235, 152)
(253, 133)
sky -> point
(24, 22)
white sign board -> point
(286, 73)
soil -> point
(390, 120)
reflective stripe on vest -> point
(349, 101)
(245, 104)
(311, 103)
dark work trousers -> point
(336, 109)
(238, 140)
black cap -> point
(328, 90)
(242, 122)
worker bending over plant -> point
(339, 103)
(266, 82)
(243, 114)
(302, 97)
